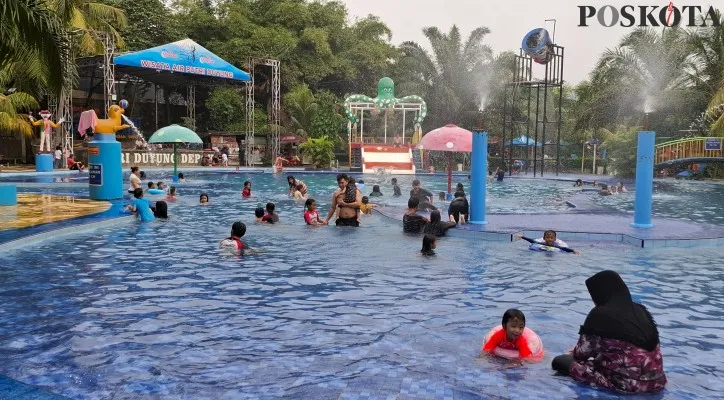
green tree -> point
(150, 23)
(328, 121)
(13, 112)
(225, 105)
(302, 109)
(88, 20)
(621, 145)
(320, 150)
(448, 78)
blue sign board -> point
(712, 144)
(184, 56)
(95, 177)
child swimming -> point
(246, 192)
(298, 195)
(550, 239)
(270, 217)
(259, 214)
(161, 210)
(511, 336)
(181, 177)
(366, 207)
(233, 242)
(396, 191)
(436, 226)
(171, 194)
(429, 244)
(141, 207)
(311, 216)
(204, 198)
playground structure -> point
(689, 151)
(370, 153)
(539, 124)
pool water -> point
(156, 310)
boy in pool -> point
(259, 214)
(181, 177)
(550, 239)
(396, 191)
(270, 217)
(233, 242)
(141, 206)
(151, 185)
(511, 336)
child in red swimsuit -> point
(311, 216)
(247, 190)
(511, 336)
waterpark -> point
(175, 227)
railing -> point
(698, 147)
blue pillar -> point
(44, 162)
(644, 180)
(8, 195)
(479, 177)
(105, 175)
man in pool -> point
(346, 211)
(424, 196)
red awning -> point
(291, 139)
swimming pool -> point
(156, 311)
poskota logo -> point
(649, 16)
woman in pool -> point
(376, 191)
(345, 201)
(618, 348)
(204, 199)
(458, 209)
(429, 244)
(436, 226)
(293, 185)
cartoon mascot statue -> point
(47, 130)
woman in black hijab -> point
(618, 348)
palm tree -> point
(302, 108)
(706, 66)
(12, 104)
(33, 40)
(89, 20)
(452, 77)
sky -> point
(509, 21)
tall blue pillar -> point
(479, 177)
(105, 176)
(43, 162)
(644, 180)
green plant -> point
(320, 150)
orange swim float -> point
(531, 339)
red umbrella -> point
(450, 138)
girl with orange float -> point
(513, 340)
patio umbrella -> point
(175, 134)
(450, 138)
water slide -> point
(397, 160)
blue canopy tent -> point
(184, 56)
(523, 141)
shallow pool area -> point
(156, 310)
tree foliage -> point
(320, 150)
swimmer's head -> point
(441, 195)
(299, 187)
(161, 209)
(180, 175)
(138, 193)
(393, 181)
(238, 229)
(172, 191)
(342, 180)
(259, 212)
(291, 180)
(134, 170)
(310, 204)
(247, 184)
(429, 243)
(270, 207)
(416, 183)
(365, 200)
(434, 216)
(513, 323)
(361, 182)
(143, 174)
(376, 189)
(203, 198)
(459, 187)
(413, 202)
(549, 237)
(151, 185)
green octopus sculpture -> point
(385, 100)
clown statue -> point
(48, 127)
